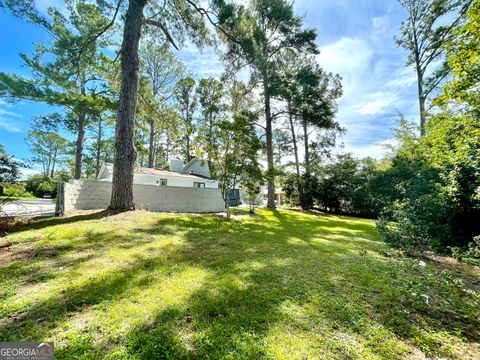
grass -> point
(281, 284)
(13, 198)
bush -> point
(345, 187)
(290, 184)
(431, 189)
(14, 190)
(471, 254)
(46, 188)
(300, 190)
(307, 191)
(40, 187)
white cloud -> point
(380, 103)
(350, 57)
(201, 62)
(376, 150)
(9, 125)
(402, 78)
(9, 113)
(380, 23)
(376, 84)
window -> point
(198, 185)
(163, 182)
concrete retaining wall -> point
(92, 194)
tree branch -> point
(164, 30)
(205, 13)
(101, 32)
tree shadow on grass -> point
(40, 223)
(39, 317)
(256, 270)
(231, 319)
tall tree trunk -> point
(187, 154)
(307, 151)
(227, 204)
(151, 146)
(47, 170)
(99, 147)
(45, 167)
(294, 139)
(421, 101)
(125, 152)
(418, 68)
(269, 138)
(187, 139)
(210, 144)
(79, 145)
(81, 134)
(53, 163)
(167, 146)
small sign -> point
(26, 350)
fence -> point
(92, 194)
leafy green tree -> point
(210, 95)
(48, 148)
(9, 168)
(258, 32)
(310, 96)
(163, 70)
(186, 98)
(236, 155)
(100, 145)
(40, 186)
(345, 186)
(423, 35)
(183, 18)
(282, 147)
(317, 103)
(430, 190)
(62, 74)
(251, 187)
(463, 60)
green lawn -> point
(13, 198)
(281, 284)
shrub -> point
(14, 190)
(307, 191)
(471, 254)
(46, 188)
(40, 187)
(431, 189)
(345, 188)
(301, 190)
(290, 184)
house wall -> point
(92, 194)
(149, 179)
(198, 167)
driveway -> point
(34, 207)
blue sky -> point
(356, 41)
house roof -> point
(165, 173)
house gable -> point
(197, 167)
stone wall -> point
(92, 194)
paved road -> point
(34, 207)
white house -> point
(195, 173)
